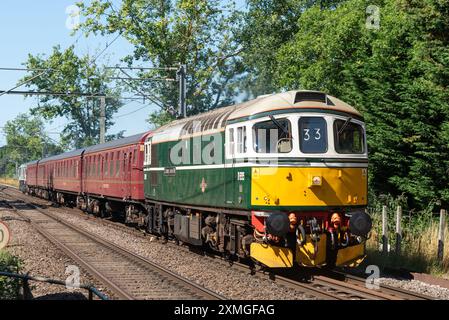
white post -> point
(398, 229)
(441, 234)
(384, 230)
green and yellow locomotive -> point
(281, 179)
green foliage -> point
(269, 24)
(9, 287)
(397, 76)
(158, 119)
(70, 73)
(419, 237)
(26, 141)
(168, 33)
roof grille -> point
(310, 96)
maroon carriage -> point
(113, 176)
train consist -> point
(281, 179)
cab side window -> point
(241, 140)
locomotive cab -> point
(308, 184)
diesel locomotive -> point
(281, 179)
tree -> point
(396, 75)
(268, 25)
(167, 33)
(66, 72)
(26, 141)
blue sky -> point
(34, 27)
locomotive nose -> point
(360, 224)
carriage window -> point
(111, 164)
(241, 139)
(313, 135)
(349, 137)
(106, 165)
(99, 166)
(272, 136)
(117, 165)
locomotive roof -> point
(300, 99)
(216, 120)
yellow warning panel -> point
(351, 256)
(306, 255)
(296, 186)
(271, 256)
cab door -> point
(235, 140)
(229, 167)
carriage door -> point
(127, 173)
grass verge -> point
(9, 287)
(9, 181)
(418, 252)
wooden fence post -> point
(398, 229)
(384, 230)
(441, 234)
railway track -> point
(332, 285)
(346, 287)
(127, 275)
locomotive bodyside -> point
(218, 179)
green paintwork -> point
(221, 188)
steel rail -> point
(165, 273)
(321, 286)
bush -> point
(9, 287)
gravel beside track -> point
(41, 258)
(128, 275)
(418, 286)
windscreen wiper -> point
(279, 125)
(343, 127)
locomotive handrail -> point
(27, 291)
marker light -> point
(316, 181)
